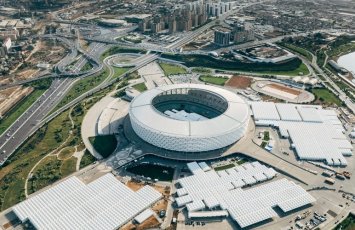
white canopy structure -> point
(104, 204)
(315, 133)
(211, 194)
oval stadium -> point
(189, 117)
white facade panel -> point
(189, 136)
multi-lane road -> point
(23, 126)
(30, 121)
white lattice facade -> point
(185, 135)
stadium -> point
(189, 117)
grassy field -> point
(301, 69)
(49, 171)
(87, 159)
(224, 167)
(347, 224)
(68, 167)
(118, 71)
(213, 80)
(88, 66)
(118, 49)
(325, 96)
(341, 50)
(266, 136)
(170, 69)
(141, 87)
(13, 114)
(159, 172)
(104, 145)
(66, 153)
(201, 70)
(298, 49)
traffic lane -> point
(30, 121)
(25, 115)
(26, 130)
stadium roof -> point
(104, 204)
(236, 114)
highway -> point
(30, 121)
(334, 87)
(19, 130)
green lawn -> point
(118, 71)
(266, 136)
(224, 167)
(170, 69)
(342, 49)
(213, 80)
(263, 144)
(325, 96)
(242, 161)
(68, 166)
(87, 159)
(66, 153)
(104, 145)
(141, 87)
(347, 224)
(88, 66)
(162, 173)
(49, 171)
(298, 49)
(118, 49)
(201, 70)
(301, 69)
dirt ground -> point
(10, 96)
(285, 89)
(165, 191)
(134, 185)
(44, 52)
(160, 205)
(270, 99)
(239, 81)
(151, 222)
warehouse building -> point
(315, 133)
(208, 193)
(104, 204)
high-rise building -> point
(222, 36)
(172, 24)
(241, 34)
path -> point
(53, 151)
